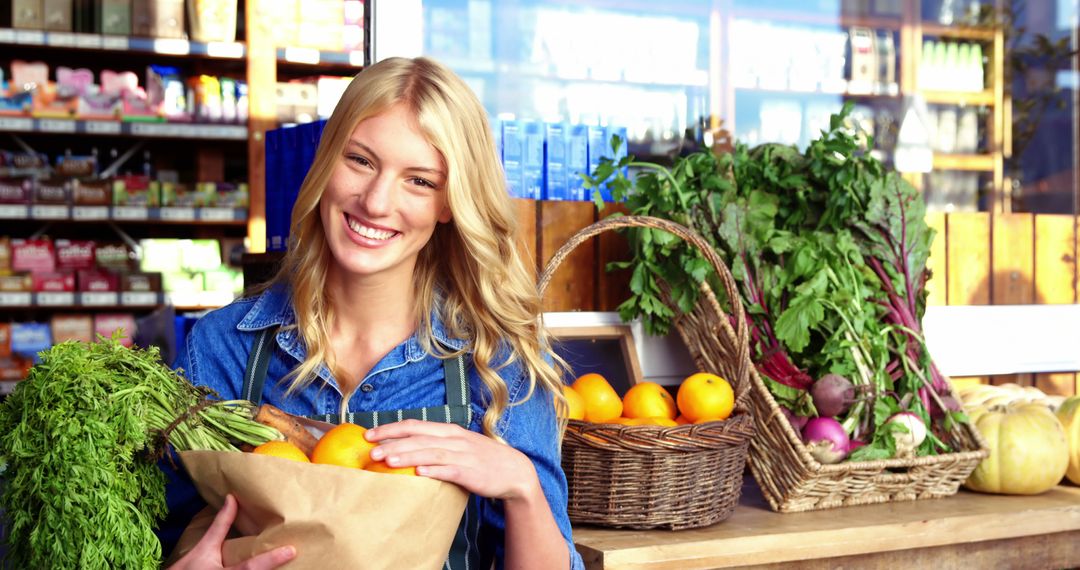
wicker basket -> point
(666, 477)
(793, 481)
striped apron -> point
(464, 553)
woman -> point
(402, 276)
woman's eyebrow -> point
(368, 150)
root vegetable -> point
(826, 440)
(832, 394)
(914, 433)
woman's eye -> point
(358, 160)
(423, 182)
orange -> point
(575, 404)
(602, 403)
(649, 400)
(709, 419)
(705, 395)
(681, 420)
(345, 446)
(382, 467)
(282, 449)
(620, 421)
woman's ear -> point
(445, 215)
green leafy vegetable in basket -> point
(829, 250)
(80, 437)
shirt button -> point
(365, 388)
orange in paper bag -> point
(344, 446)
(336, 518)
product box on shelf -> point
(179, 195)
(135, 190)
(33, 255)
(513, 145)
(212, 20)
(113, 17)
(52, 191)
(532, 159)
(282, 22)
(577, 161)
(57, 15)
(28, 339)
(5, 255)
(75, 254)
(53, 282)
(297, 102)
(97, 281)
(182, 282)
(27, 14)
(555, 146)
(91, 192)
(114, 256)
(140, 282)
(200, 254)
(353, 34)
(16, 283)
(599, 147)
(321, 25)
(225, 194)
(157, 18)
(106, 324)
(16, 190)
(5, 340)
(223, 279)
(160, 255)
(78, 327)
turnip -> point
(832, 394)
(826, 440)
(797, 422)
(911, 437)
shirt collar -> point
(274, 308)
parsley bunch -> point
(80, 437)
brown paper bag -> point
(335, 517)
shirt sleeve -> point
(531, 426)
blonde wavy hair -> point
(486, 293)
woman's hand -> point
(447, 452)
(207, 553)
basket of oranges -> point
(648, 460)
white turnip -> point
(911, 437)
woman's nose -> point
(376, 196)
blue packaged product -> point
(533, 159)
(555, 150)
(274, 183)
(513, 149)
(577, 161)
(599, 147)
(28, 339)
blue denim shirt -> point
(406, 377)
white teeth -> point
(370, 233)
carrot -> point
(292, 430)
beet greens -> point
(829, 252)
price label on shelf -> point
(216, 214)
(138, 298)
(115, 42)
(56, 299)
(83, 213)
(29, 37)
(130, 213)
(14, 211)
(102, 127)
(49, 212)
(173, 214)
(99, 299)
(56, 126)
(16, 124)
(60, 39)
(14, 299)
(7, 36)
(90, 41)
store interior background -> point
(976, 101)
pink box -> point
(74, 254)
(106, 323)
(33, 255)
(16, 190)
(95, 281)
(56, 282)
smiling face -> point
(384, 198)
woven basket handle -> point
(615, 222)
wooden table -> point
(968, 530)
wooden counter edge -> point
(949, 521)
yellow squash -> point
(1028, 450)
(1069, 415)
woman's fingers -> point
(219, 529)
(407, 428)
(268, 560)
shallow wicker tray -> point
(666, 477)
